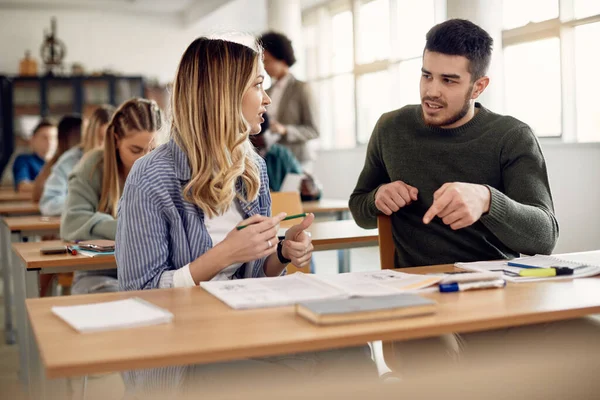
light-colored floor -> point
(111, 386)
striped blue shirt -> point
(158, 231)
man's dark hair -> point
(44, 123)
(459, 37)
(279, 46)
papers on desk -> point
(299, 287)
(120, 314)
(584, 265)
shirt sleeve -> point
(55, 190)
(142, 259)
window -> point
(363, 58)
(549, 59)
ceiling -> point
(147, 7)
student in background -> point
(55, 189)
(291, 111)
(191, 193)
(27, 166)
(96, 183)
(279, 160)
(69, 137)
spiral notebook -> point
(584, 265)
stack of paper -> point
(120, 314)
(584, 265)
(298, 287)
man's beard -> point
(453, 118)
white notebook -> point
(120, 314)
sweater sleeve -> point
(80, 219)
(522, 215)
(373, 175)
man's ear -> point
(479, 86)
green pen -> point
(239, 228)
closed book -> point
(358, 309)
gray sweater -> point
(493, 150)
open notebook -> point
(299, 287)
(584, 265)
(120, 314)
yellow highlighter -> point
(545, 272)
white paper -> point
(291, 183)
(299, 287)
(380, 283)
(112, 315)
(271, 292)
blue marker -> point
(461, 287)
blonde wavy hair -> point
(99, 117)
(208, 125)
(133, 116)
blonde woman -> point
(55, 188)
(96, 184)
(189, 195)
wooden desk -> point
(6, 195)
(13, 229)
(14, 208)
(29, 264)
(205, 330)
(326, 206)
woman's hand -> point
(257, 240)
(297, 246)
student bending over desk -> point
(55, 187)
(461, 183)
(182, 203)
(96, 183)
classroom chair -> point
(290, 203)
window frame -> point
(318, 15)
(563, 28)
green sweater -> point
(493, 150)
(81, 219)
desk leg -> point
(41, 388)
(19, 280)
(343, 254)
(5, 260)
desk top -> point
(205, 330)
(32, 223)
(6, 195)
(326, 235)
(19, 208)
(29, 253)
(325, 206)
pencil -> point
(285, 219)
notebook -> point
(585, 264)
(299, 287)
(112, 315)
(328, 312)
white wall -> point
(573, 173)
(129, 44)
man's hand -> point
(459, 204)
(276, 127)
(393, 196)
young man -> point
(463, 184)
(460, 182)
(291, 110)
(27, 166)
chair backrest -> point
(290, 203)
(386, 242)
